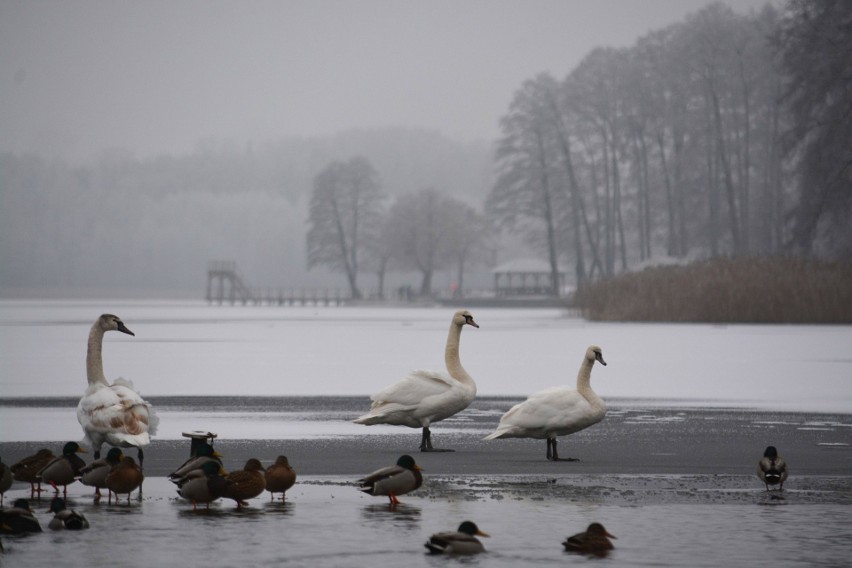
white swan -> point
(425, 397)
(112, 413)
(557, 411)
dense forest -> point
(725, 134)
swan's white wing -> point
(417, 400)
(559, 410)
(116, 414)
(414, 388)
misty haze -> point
(266, 223)
(143, 141)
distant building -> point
(525, 277)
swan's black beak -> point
(123, 329)
(469, 321)
(599, 357)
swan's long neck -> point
(451, 357)
(94, 359)
(584, 382)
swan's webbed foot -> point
(553, 455)
(426, 442)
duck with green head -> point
(94, 474)
(204, 454)
(462, 542)
(65, 469)
(393, 481)
(772, 469)
(65, 518)
(19, 519)
(203, 485)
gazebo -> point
(525, 277)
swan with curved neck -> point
(557, 411)
(425, 397)
(114, 414)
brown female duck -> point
(280, 477)
(27, 470)
(124, 477)
(245, 483)
(594, 542)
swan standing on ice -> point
(114, 414)
(557, 411)
(424, 397)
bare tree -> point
(469, 238)
(815, 43)
(346, 205)
(422, 232)
(529, 193)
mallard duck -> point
(94, 474)
(425, 397)
(65, 469)
(205, 453)
(245, 483)
(114, 414)
(124, 477)
(595, 541)
(280, 477)
(556, 412)
(460, 542)
(203, 485)
(19, 519)
(5, 480)
(394, 480)
(27, 470)
(65, 518)
(772, 469)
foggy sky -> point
(83, 76)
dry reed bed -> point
(721, 290)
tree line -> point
(721, 135)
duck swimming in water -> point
(594, 541)
(65, 518)
(458, 543)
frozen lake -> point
(191, 349)
(670, 470)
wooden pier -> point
(226, 285)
